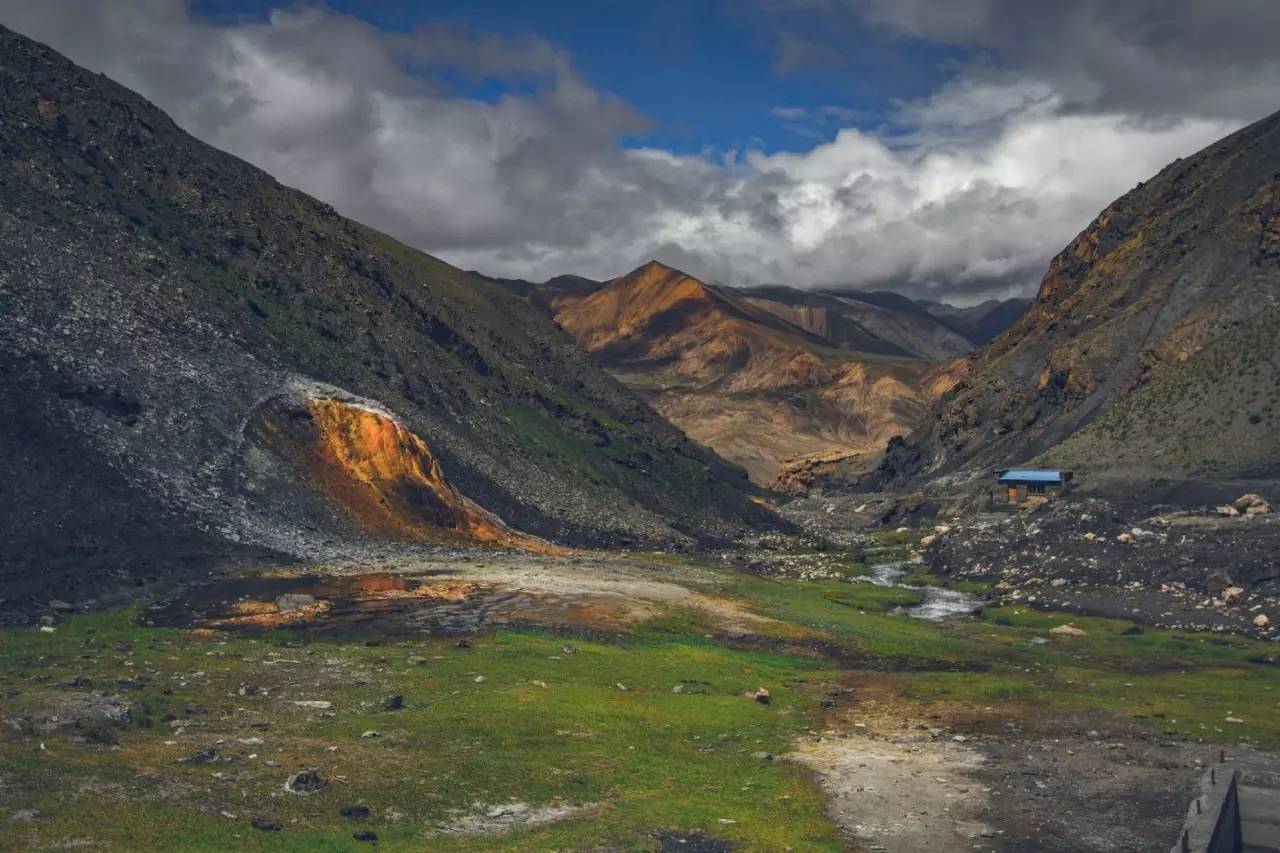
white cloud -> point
(977, 187)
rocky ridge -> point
(1146, 352)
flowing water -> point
(939, 603)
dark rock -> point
(365, 835)
(358, 812)
(208, 756)
(266, 824)
(307, 781)
(393, 703)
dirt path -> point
(900, 793)
(895, 779)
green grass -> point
(546, 727)
(656, 759)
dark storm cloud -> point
(980, 183)
(1216, 58)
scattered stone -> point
(356, 812)
(762, 696)
(679, 688)
(1227, 511)
(313, 704)
(569, 649)
(464, 643)
(266, 824)
(1037, 641)
(1261, 620)
(1234, 720)
(394, 702)
(1131, 631)
(1233, 595)
(365, 835)
(370, 733)
(307, 781)
(25, 815)
(207, 756)
(1068, 630)
(1091, 536)
(1125, 538)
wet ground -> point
(454, 595)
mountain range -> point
(199, 363)
(775, 379)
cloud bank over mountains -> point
(962, 194)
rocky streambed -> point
(939, 602)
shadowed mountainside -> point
(1149, 350)
(170, 315)
(982, 323)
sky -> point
(945, 150)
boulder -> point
(1261, 620)
(1068, 631)
(1125, 538)
(1227, 511)
(1217, 581)
(1233, 595)
(1252, 504)
(762, 696)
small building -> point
(1022, 482)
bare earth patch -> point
(487, 819)
(896, 791)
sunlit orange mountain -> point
(735, 373)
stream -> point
(939, 603)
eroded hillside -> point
(159, 299)
(757, 382)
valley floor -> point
(492, 701)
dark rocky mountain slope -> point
(982, 323)
(1149, 351)
(196, 361)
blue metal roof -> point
(1031, 475)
